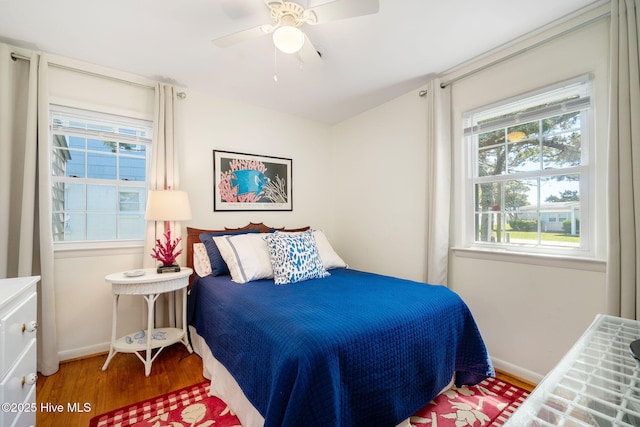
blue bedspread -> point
(352, 349)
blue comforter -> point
(351, 349)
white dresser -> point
(18, 358)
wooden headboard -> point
(193, 235)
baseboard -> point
(517, 371)
(83, 352)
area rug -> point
(489, 403)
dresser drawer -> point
(17, 389)
(27, 418)
(17, 330)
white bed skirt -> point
(225, 387)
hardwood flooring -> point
(517, 381)
(82, 382)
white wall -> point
(379, 160)
(211, 123)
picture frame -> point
(251, 182)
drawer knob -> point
(29, 379)
(29, 326)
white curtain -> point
(623, 298)
(26, 245)
(164, 161)
(438, 181)
(162, 176)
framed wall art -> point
(251, 182)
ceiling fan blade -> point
(309, 55)
(271, 3)
(241, 36)
(342, 9)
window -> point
(99, 166)
(530, 170)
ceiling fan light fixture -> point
(288, 39)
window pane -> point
(522, 132)
(491, 161)
(491, 138)
(490, 216)
(74, 227)
(489, 196)
(492, 227)
(486, 226)
(132, 200)
(77, 142)
(562, 123)
(58, 196)
(74, 197)
(75, 164)
(131, 226)
(57, 225)
(523, 211)
(562, 151)
(133, 169)
(100, 145)
(59, 159)
(133, 149)
(561, 199)
(520, 194)
(101, 226)
(101, 198)
(101, 166)
(524, 156)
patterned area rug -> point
(489, 403)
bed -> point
(341, 348)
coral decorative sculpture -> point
(167, 253)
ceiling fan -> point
(287, 17)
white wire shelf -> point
(597, 383)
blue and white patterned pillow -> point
(294, 257)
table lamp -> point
(167, 205)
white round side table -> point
(149, 284)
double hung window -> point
(99, 166)
(530, 170)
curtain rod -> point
(16, 56)
(524, 50)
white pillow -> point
(330, 259)
(246, 255)
(201, 262)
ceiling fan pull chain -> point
(275, 64)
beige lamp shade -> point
(168, 205)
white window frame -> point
(120, 118)
(586, 171)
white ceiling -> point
(367, 60)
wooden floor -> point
(517, 381)
(83, 382)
